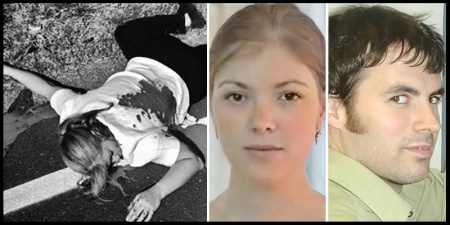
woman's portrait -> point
(267, 112)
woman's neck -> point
(247, 199)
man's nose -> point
(427, 119)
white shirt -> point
(133, 119)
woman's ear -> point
(337, 116)
(321, 118)
(107, 152)
(214, 125)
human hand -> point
(144, 205)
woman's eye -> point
(289, 96)
(401, 99)
(235, 97)
(435, 100)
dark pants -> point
(150, 37)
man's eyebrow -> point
(400, 88)
(441, 92)
(232, 82)
(284, 83)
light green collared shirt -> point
(356, 194)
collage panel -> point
(161, 112)
(105, 112)
(386, 112)
(267, 112)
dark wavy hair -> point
(361, 37)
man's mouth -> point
(424, 150)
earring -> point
(317, 135)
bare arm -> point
(36, 83)
(184, 168)
(145, 203)
(187, 163)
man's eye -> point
(401, 99)
(435, 99)
(289, 96)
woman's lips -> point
(263, 147)
(265, 151)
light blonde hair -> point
(281, 24)
(82, 151)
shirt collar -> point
(367, 186)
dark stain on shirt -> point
(138, 117)
(152, 100)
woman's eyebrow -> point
(278, 85)
(233, 82)
(284, 83)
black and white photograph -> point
(104, 112)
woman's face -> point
(266, 110)
(112, 151)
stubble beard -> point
(400, 173)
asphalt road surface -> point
(35, 153)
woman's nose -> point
(263, 117)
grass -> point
(73, 43)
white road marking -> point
(40, 189)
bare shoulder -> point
(317, 210)
(318, 213)
(313, 209)
(216, 209)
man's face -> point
(397, 108)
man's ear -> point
(337, 115)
